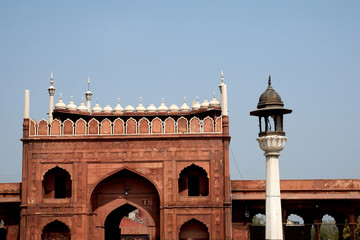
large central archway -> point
(127, 205)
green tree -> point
(259, 220)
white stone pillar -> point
(88, 95)
(223, 92)
(51, 91)
(272, 145)
(27, 104)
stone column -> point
(317, 224)
(352, 225)
(272, 145)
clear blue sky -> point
(173, 49)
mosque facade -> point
(149, 173)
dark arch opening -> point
(194, 230)
(56, 230)
(112, 222)
(57, 183)
(193, 181)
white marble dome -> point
(151, 108)
(129, 109)
(205, 104)
(184, 107)
(214, 102)
(118, 108)
(162, 108)
(96, 108)
(140, 108)
(196, 105)
(71, 105)
(82, 107)
(107, 109)
(60, 104)
(173, 108)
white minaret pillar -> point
(88, 95)
(223, 92)
(27, 104)
(272, 145)
(51, 91)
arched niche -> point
(193, 229)
(195, 125)
(118, 126)
(56, 230)
(131, 126)
(106, 126)
(193, 181)
(57, 184)
(156, 125)
(169, 125)
(43, 127)
(208, 124)
(80, 127)
(182, 125)
(68, 127)
(33, 127)
(144, 126)
(93, 126)
(55, 128)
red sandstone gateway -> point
(148, 173)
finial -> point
(214, 95)
(51, 79)
(140, 99)
(60, 96)
(71, 98)
(163, 100)
(184, 99)
(118, 100)
(88, 83)
(222, 76)
(97, 100)
(197, 98)
(269, 82)
(82, 99)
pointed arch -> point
(43, 128)
(144, 126)
(80, 127)
(156, 125)
(208, 124)
(55, 127)
(218, 124)
(56, 230)
(93, 126)
(33, 127)
(182, 125)
(131, 126)
(57, 183)
(169, 125)
(113, 173)
(195, 125)
(193, 181)
(192, 228)
(68, 127)
(106, 126)
(118, 126)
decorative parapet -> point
(126, 126)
